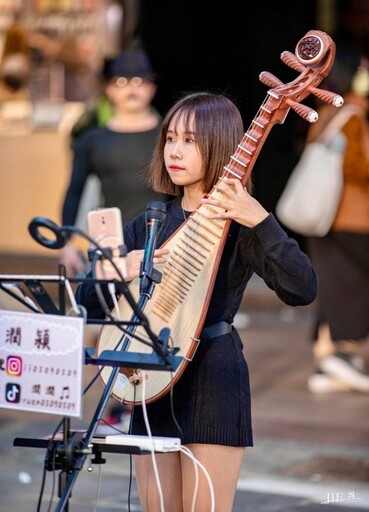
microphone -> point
(154, 216)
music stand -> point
(69, 451)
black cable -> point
(53, 484)
(98, 289)
(49, 447)
(106, 253)
(43, 481)
(61, 236)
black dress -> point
(211, 400)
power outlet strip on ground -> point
(156, 443)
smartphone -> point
(105, 227)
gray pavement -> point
(311, 452)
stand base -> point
(133, 360)
(120, 443)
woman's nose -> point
(176, 152)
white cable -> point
(71, 297)
(188, 452)
(153, 457)
(112, 290)
(98, 489)
(184, 450)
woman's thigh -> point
(165, 490)
(222, 464)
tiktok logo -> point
(13, 393)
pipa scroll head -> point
(316, 49)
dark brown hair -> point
(219, 128)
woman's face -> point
(182, 157)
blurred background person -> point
(115, 145)
(118, 151)
(15, 94)
(14, 77)
(341, 258)
(15, 62)
(15, 38)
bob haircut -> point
(218, 130)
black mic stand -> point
(75, 447)
(35, 285)
(169, 363)
(69, 453)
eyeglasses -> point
(122, 81)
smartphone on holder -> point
(105, 227)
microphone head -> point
(156, 210)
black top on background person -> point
(119, 152)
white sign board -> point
(41, 363)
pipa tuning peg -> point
(328, 97)
(305, 112)
(269, 80)
(292, 61)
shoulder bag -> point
(310, 199)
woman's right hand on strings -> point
(238, 204)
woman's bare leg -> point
(323, 345)
(170, 475)
(223, 464)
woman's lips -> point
(176, 168)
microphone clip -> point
(151, 273)
(148, 279)
(107, 253)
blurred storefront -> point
(65, 42)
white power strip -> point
(158, 444)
